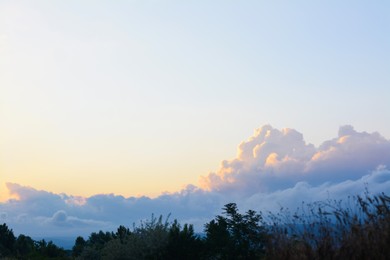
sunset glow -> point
(111, 111)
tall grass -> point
(358, 228)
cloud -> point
(272, 159)
(44, 213)
(376, 182)
(273, 169)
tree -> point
(78, 247)
(49, 249)
(147, 241)
(236, 236)
(24, 246)
(98, 240)
(122, 232)
(7, 241)
(182, 243)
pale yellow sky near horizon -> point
(142, 97)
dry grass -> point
(356, 229)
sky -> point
(135, 102)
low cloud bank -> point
(273, 168)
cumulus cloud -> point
(272, 159)
(272, 169)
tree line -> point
(358, 228)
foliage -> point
(24, 247)
(358, 228)
(152, 239)
(235, 236)
(79, 246)
(183, 243)
(145, 242)
(7, 241)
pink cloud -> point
(273, 156)
(273, 168)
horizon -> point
(112, 110)
(272, 169)
(162, 193)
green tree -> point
(78, 247)
(98, 240)
(236, 236)
(49, 250)
(95, 244)
(24, 246)
(182, 243)
(7, 241)
(122, 232)
(147, 241)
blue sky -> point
(142, 97)
(179, 83)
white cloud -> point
(272, 159)
(273, 168)
(375, 182)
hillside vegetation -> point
(358, 228)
